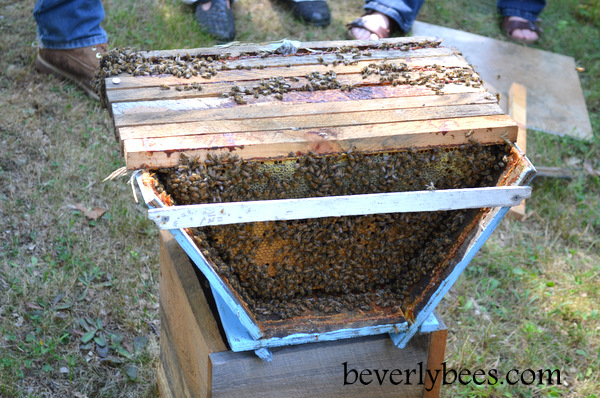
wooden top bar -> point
(326, 97)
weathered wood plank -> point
(165, 152)
(219, 109)
(184, 126)
(235, 49)
(317, 370)
(216, 89)
(437, 352)
(163, 383)
(336, 206)
(517, 109)
(183, 308)
(128, 113)
(170, 376)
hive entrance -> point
(333, 265)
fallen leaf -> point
(92, 214)
(139, 343)
(102, 351)
(112, 360)
(132, 371)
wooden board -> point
(556, 102)
(517, 109)
(428, 96)
(183, 307)
(335, 206)
(194, 361)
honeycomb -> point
(332, 265)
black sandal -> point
(217, 20)
(509, 26)
(380, 32)
(314, 12)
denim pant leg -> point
(528, 9)
(67, 24)
(403, 12)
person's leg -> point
(519, 18)
(216, 17)
(68, 24)
(71, 39)
(385, 15)
(314, 12)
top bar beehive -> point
(333, 118)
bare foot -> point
(206, 6)
(375, 22)
(523, 34)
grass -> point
(79, 296)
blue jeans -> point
(68, 24)
(403, 12)
(528, 9)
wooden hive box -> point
(407, 119)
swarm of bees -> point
(286, 269)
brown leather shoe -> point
(78, 65)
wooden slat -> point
(140, 113)
(437, 351)
(154, 125)
(517, 109)
(182, 124)
(165, 152)
(189, 216)
(235, 49)
(371, 85)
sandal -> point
(314, 12)
(510, 25)
(217, 20)
(381, 32)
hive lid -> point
(329, 96)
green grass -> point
(529, 299)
